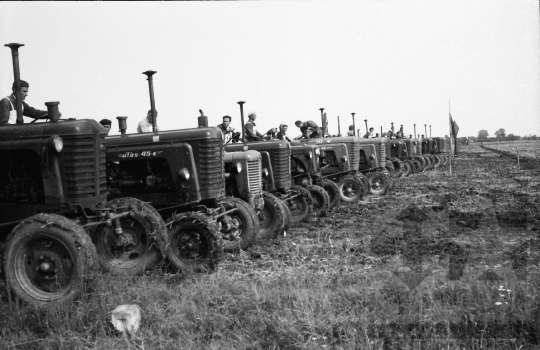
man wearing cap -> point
(400, 134)
(282, 134)
(315, 131)
(229, 135)
(369, 134)
(8, 106)
(351, 130)
(250, 129)
(106, 124)
(145, 125)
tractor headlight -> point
(265, 172)
(308, 155)
(344, 158)
(317, 151)
(56, 143)
(372, 157)
(238, 167)
(183, 174)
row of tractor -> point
(74, 201)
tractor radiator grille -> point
(381, 155)
(254, 176)
(282, 167)
(211, 163)
(354, 155)
(84, 167)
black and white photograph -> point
(325, 175)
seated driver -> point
(8, 106)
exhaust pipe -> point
(122, 124)
(52, 111)
(430, 131)
(425, 128)
(414, 130)
(354, 124)
(149, 74)
(241, 103)
(17, 77)
(338, 127)
(367, 130)
(202, 120)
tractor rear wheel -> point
(417, 165)
(438, 161)
(272, 217)
(398, 167)
(239, 228)
(141, 244)
(406, 169)
(287, 212)
(422, 162)
(378, 184)
(350, 189)
(49, 258)
(321, 200)
(196, 243)
(301, 206)
(365, 182)
(390, 180)
(429, 164)
(333, 193)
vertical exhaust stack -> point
(149, 74)
(430, 131)
(241, 103)
(17, 78)
(381, 130)
(414, 130)
(338, 127)
(425, 128)
(202, 120)
(367, 130)
(53, 111)
(354, 124)
(122, 124)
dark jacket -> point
(5, 108)
(250, 134)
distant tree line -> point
(500, 135)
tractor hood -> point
(183, 135)
(63, 127)
(249, 156)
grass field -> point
(380, 274)
(527, 148)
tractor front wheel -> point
(196, 242)
(49, 258)
(350, 189)
(333, 193)
(239, 228)
(141, 244)
(301, 206)
(321, 200)
(272, 217)
(378, 184)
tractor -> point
(338, 161)
(53, 203)
(306, 172)
(182, 173)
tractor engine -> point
(20, 176)
(140, 175)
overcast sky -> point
(397, 61)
